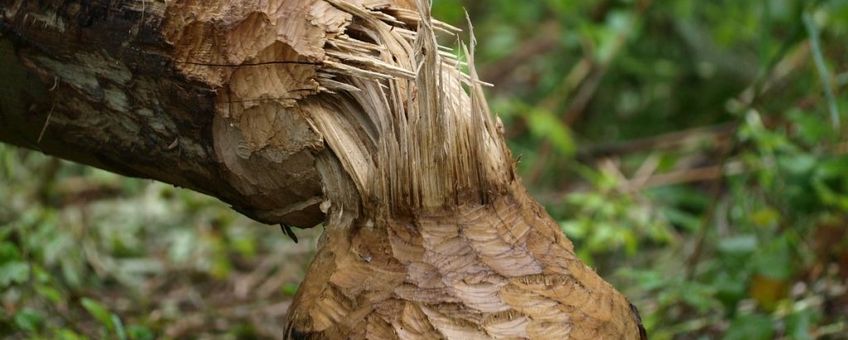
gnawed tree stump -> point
(303, 111)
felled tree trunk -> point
(303, 111)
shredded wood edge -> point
(414, 131)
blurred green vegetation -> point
(89, 254)
(695, 151)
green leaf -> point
(99, 312)
(67, 334)
(544, 124)
(118, 326)
(9, 252)
(738, 244)
(245, 246)
(800, 324)
(750, 327)
(573, 229)
(698, 295)
(290, 288)
(775, 261)
(49, 293)
(730, 287)
(13, 272)
(448, 10)
(72, 271)
(765, 217)
(811, 128)
(681, 218)
(29, 320)
(139, 332)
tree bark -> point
(303, 111)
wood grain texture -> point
(118, 85)
(443, 241)
(502, 270)
(301, 111)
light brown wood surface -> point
(302, 111)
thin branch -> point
(586, 76)
(821, 66)
(715, 197)
(501, 71)
(46, 124)
(716, 134)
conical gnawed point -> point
(440, 239)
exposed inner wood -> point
(441, 240)
(108, 85)
(477, 271)
(300, 111)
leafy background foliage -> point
(695, 151)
